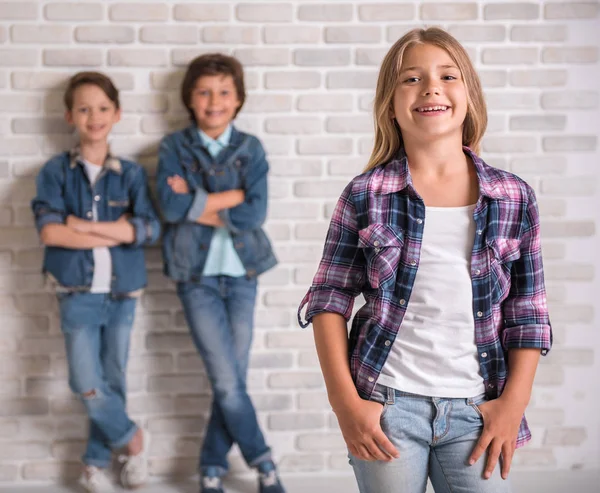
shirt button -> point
(480, 314)
(479, 232)
(97, 198)
(376, 243)
(377, 250)
(402, 301)
(371, 379)
(419, 221)
(484, 355)
(491, 385)
(387, 343)
(88, 214)
(413, 262)
(477, 272)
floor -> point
(523, 482)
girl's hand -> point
(79, 225)
(178, 184)
(501, 422)
(361, 429)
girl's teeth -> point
(433, 108)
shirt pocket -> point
(117, 206)
(382, 248)
(503, 252)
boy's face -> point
(93, 114)
(430, 100)
(214, 102)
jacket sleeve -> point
(176, 207)
(48, 205)
(144, 219)
(250, 214)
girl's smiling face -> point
(430, 100)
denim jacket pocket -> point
(117, 206)
(382, 248)
(503, 252)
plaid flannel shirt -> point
(373, 248)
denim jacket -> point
(63, 189)
(241, 165)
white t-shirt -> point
(102, 259)
(434, 353)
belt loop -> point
(391, 396)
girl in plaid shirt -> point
(435, 375)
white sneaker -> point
(94, 480)
(135, 467)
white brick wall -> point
(311, 68)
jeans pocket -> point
(476, 408)
(474, 403)
(384, 410)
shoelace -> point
(268, 478)
(211, 482)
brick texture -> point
(311, 69)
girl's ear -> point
(69, 117)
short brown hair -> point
(94, 78)
(212, 64)
(388, 135)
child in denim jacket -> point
(212, 187)
(94, 215)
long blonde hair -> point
(388, 137)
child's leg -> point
(406, 421)
(234, 417)
(82, 317)
(239, 306)
(449, 471)
(115, 344)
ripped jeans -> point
(97, 328)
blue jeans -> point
(96, 328)
(219, 311)
(435, 437)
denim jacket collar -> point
(111, 162)
(203, 158)
(395, 176)
(193, 138)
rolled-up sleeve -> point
(144, 219)
(48, 205)
(341, 273)
(174, 206)
(525, 310)
(198, 205)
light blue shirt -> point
(222, 259)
